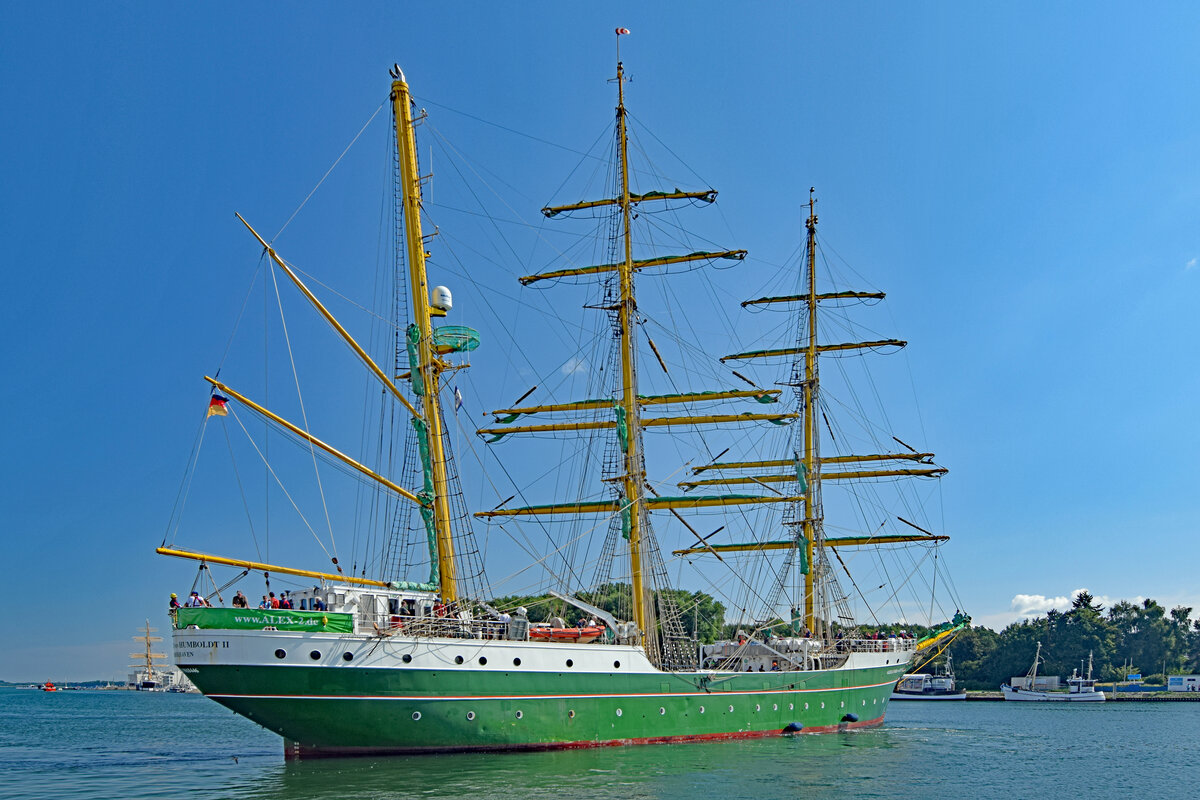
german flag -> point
(216, 406)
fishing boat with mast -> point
(388, 664)
(1080, 689)
(923, 686)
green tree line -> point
(1129, 637)
(1140, 638)
(699, 611)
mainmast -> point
(632, 503)
(811, 503)
(632, 480)
(428, 366)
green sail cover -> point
(413, 335)
(257, 619)
(626, 520)
(801, 475)
(622, 427)
(426, 497)
(458, 338)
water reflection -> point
(792, 766)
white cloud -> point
(1191, 264)
(573, 365)
(1028, 606)
(1031, 605)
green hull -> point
(323, 711)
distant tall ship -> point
(382, 664)
(151, 673)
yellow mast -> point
(810, 507)
(632, 479)
(429, 365)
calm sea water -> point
(141, 745)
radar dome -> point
(441, 298)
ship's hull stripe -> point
(427, 698)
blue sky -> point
(1022, 179)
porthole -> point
(570, 663)
(822, 705)
(458, 659)
(520, 714)
(482, 660)
(516, 662)
(864, 702)
(843, 704)
(701, 709)
(416, 715)
(571, 714)
(347, 656)
(775, 707)
(731, 709)
(806, 706)
(792, 706)
(661, 711)
(874, 700)
(470, 716)
(406, 658)
(619, 712)
(315, 655)
(616, 665)
(757, 707)
(281, 653)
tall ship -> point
(349, 663)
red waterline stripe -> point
(580, 745)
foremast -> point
(428, 366)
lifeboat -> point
(49, 687)
(545, 633)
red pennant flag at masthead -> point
(621, 31)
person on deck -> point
(175, 601)
(239, 601)
(265, 602)
(274, 600)
(197, 601)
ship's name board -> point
(203, 644)
(188, 649)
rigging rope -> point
(331, 169)
(304, 416)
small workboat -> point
(1079, 688)
(919, 686)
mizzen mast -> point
(807, 467)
